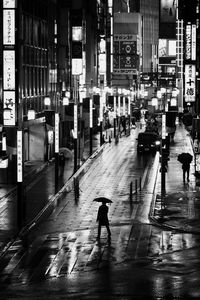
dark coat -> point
(186, 166)
(102, 215)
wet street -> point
(62, 259)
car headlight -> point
(157, 143)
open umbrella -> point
(103, 200)
(67, 152)
(185, 157)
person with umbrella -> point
(102, 216)
(185, 159)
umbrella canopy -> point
(185, 157)
(103, 200)
(67, 152)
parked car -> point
(148, 142)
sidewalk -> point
(181, 205)
(39, 193)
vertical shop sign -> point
(9, 85)
(190, 77)
(56, 132)
(19, 156)
(75, 121)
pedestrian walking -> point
(186, 170)
(185, 159)
(102, 218)
(61, 163)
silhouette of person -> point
(102, 218)
(186, 170)
(62, 163)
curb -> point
(173, 228)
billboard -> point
(126, 54)
(168, 19)
(168, 11)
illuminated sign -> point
(77, 66)
(8, 27)
(77, 33)
(101, 110)
(3, 163)
(168, 11)
(125, 54)
(102, 63)
(188, 40)
(56, 132)
(190, 76)
(115, 106)
(75, 121)
(9, 3)
(9, 70)
(193, 43)
(163, 126)
(9, 103)
(91, 113)
(19, 156)
(9, 62)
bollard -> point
(109, 139)
(111, 134)
(106, 134)
(136, 186)
(140, 184)
(131, 191)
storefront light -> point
(47, 101)
(159, 94)
(174, 93)
(4, 143)
(31, 114)
(67, 94)
(96, 90)
(154, 101)
(82, 93)
(173, 102)
(65, 100)
(163, 90)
